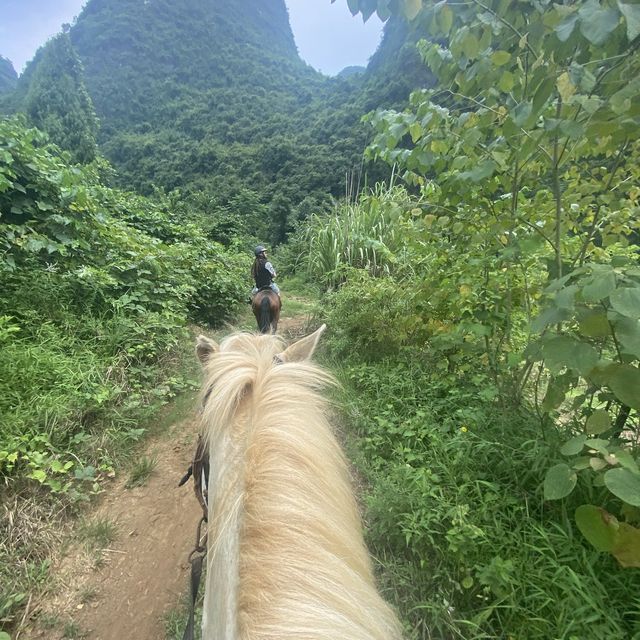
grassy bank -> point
(456, 518)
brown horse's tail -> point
(264, 319)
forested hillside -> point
(212, 99)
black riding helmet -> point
(259, 249)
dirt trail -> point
(143, 572)
(126, 590)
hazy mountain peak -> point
(8, 75)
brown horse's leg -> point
(276, 312)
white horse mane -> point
(286, 556)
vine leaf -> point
(559, 482)
(598, 422)
(624, 484)
(597, 23)
(597, 526)
(631, 13)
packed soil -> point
(127, 589)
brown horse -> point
(266, 308)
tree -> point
(530, 144)
(57, 101)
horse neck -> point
(225, 491)
(286, 554)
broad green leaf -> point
(415, 130)
(559, 482)
(601, 285)
(597, 526)
(522, 112)
(627, 461)
(631, 13)
(624, 484)
(624, 381)
(500, 57)
(626, 301)
(580, 463)
(582, 77)
(599, 445)
(596, 23)
(470, 45)
(598, 422)
(565, 298)
(542, 94)
(412, 8)
(628, 335)
(565, 351)
(445, 18)
(566, 88)
(627, 547)
(572, 129)
(583, 358)
(574, 446)
(565, 28)
(506, 81)
(38, 474)
(554, 396)
(620, 102)
(595, 325)
(483, 170)
(547, 317)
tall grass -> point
(367, 234)
(470, 549)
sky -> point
(328, 37)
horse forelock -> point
(284, 489)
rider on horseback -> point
(263, 272)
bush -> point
(455, 508)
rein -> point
(199, 469)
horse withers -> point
(266, 305)
(286, 557)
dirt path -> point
(127, 589)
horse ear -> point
(302, 349)
(205, 347)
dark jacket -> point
(261, 274)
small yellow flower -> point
(464, 429)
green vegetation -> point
(141, 471)
(98, 286)
(97, 534)
(251, 136)
(483, 303)
(57, 101)
(487, 318)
